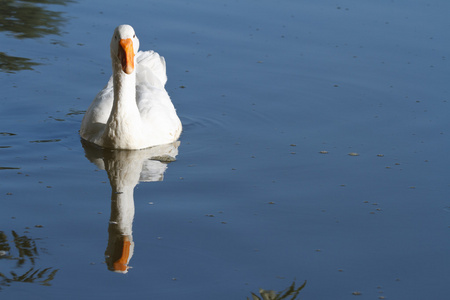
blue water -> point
(273, 96)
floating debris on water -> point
(75, 112)
(353, 154)
(46, 141)
(323, 152)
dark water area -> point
(313, 151)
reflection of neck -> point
(122, 210)
(123, 178)
(120, 241)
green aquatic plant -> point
(289, 293)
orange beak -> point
(126, 55)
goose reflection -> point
(126, 168)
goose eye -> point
(134, 35)
(115, 37)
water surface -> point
(273, 96)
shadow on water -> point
(28, 19)
(126, 168)
(23, 251)
(289, 293)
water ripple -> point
(192, 123)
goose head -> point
(124, 46)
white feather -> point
(144, 115)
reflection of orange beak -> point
(121, 263)
(126, 55)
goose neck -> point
(124, 87)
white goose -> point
(134, 110)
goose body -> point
(133, 111)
